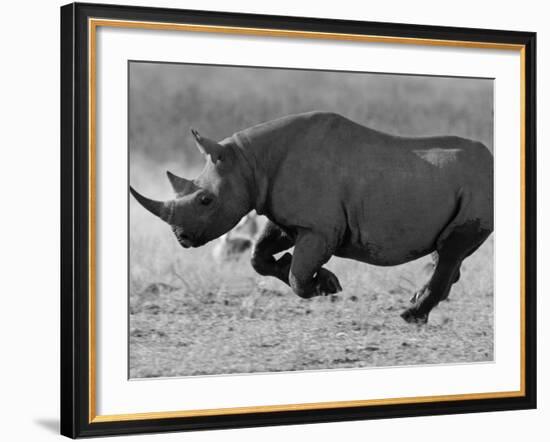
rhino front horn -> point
(161, 209)
(207, 146)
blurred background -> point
(166, 99)
(191, 314)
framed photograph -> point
(279, 220)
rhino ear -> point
(207, 146)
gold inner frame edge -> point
(93, 24)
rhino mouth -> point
(185, 240)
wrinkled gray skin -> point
(330, 187)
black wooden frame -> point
(75, 220)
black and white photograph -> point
(274, 220)
(288, 220)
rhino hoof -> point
(413, 317)
(328, 283)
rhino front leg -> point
(272, 240)
(307, 277)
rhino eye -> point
(205, 200)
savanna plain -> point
(190, 314)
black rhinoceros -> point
(330, 186)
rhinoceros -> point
(332, 187)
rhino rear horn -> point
(162, 209)
(180, 185)
(207, 146)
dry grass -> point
(190, 316)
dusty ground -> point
(229, 320)
(191, 316)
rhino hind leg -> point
(422, 291)
(457, 245)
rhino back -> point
(369, 192)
